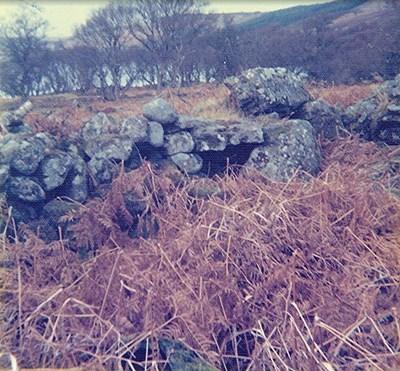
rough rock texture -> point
(187, 162)
(378, 117)
(102, 169)
(210, 137)
(21, 188)
(215, 136)
(113, 147)
(260, 91)
(26, 157)
(4, 172)
(35, 169)
(54, 210)
(135, 129)
(322, 116)
(11, 122)
(290, 146)
(179, 142)
(75, 186)
(99, 125)
(156, 134)
(161, 111)
(54, 169)
(244, 132)
(8, 146)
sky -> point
(64, 15)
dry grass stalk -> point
(302, 275)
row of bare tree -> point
(172, 43)
(154, 42)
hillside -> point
(290, 16)
(340, 41)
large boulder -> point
(290, 146)
(323, 117)
(261, 91)
(377, 117)
(160, 111)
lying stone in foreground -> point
(261, 91)
(290, 146)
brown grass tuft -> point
(341, 95)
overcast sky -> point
(64, 15)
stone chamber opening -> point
(232, 158)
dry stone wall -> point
(36, 169)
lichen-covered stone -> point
(244, 132)
(189, 122)
(291, 145)
(188, 162)
(160, 111)
(134, 128)
(75, 186)
(99, 125)
(54, 169)
(210, 137)
(25, 189)
(112, 147)
(26, 157)
(261, 91)
(377, 117)
(179, 143)
(8, 146)
(102, 169)
(156, 134)
(322, 116)
(4, 172)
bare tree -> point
(107, 45)
(167, 29)
(23, 52)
